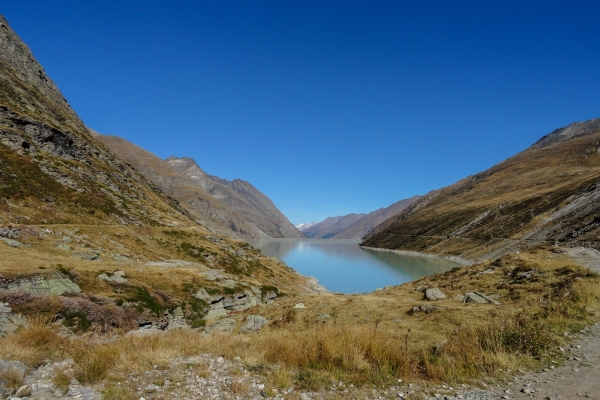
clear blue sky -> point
(328, 107)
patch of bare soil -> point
(578, 377)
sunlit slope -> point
(203, 208)
(546, 194)
(242, 197)
(51, 168)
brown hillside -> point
(204, 208)
(240, 196)
(547, 194)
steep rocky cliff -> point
(548, 194)
(243, 198)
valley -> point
(126, 276)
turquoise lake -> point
(343, 266)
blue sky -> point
(327, 107)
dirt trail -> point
(579, 376)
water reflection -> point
(342, 266)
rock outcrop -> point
(50, 157)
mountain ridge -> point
(240, 196)
(355, 226)
(547, 194)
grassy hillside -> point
(543, 196)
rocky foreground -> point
(211, 377)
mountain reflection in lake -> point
(343, 266)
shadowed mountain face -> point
(241, 197)
(548, 194)
(355, 226)
(52, 170)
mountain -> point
(203, 208)
(304, 225)
(52, 169)
(548, 194)
(354, 226)
(76, 217)
(369, 222)
(241, 197)
(331, 226)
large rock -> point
(222, 325)
(11, 242)
(48, 286)
(433, 294)
(480, 298)
(253, 323)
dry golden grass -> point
(369, 339)
(34, 344)
(61, 380)
(11, 377)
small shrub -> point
(198, 322)
(11, 377)
(61, 380)
(93, 363)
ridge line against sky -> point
(328, 107)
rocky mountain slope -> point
(203, 207)
(74, 212)
(545, 195)
(241, 197)
(355, 226)
(51, 168)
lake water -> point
(343, 266)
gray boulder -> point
(56, 285)
(433, 294)
(480, 298)
(116, 277)
(11, 242)
(222, 325)
(253, 323)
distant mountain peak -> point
(304, 225)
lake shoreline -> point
(455, 259)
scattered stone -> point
(298, 306)
(63, 246)
(526, 275)
(424, 308)
(116, 277)
(23, 391)
(433, 294)
(323, 317)
(253, 323)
